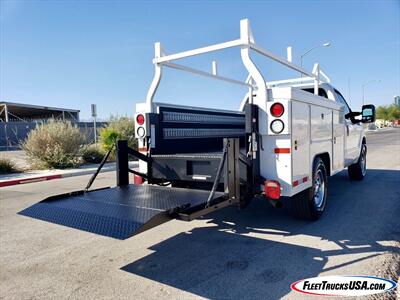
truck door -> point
(338, 140)
(352, 141)
(352, 133)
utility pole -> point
(348, 91)
(94, 115)
(309, 50)
(363, 88)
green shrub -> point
(54, 144)
(122, 128)
(7, 166)
(92, 154)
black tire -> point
(309, 204)
(358, 170)
(246, 195)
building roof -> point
(29, 111)
(14, 104)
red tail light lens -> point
(272, 189)
(137, 179)
(277, 110)
(140, 119)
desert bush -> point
(92, 154)
(54, 144)
(122, 128)
(7, 166)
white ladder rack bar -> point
(206, 74)
(198, 51)
(288, 81)
(276, 58)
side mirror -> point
(368, 113)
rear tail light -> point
(140, 119)
(277, 110)
(141, 132)
(137, 179)
(272, 189)
(277, 126)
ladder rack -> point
(255, 80)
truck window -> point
(321, 92)
(341, 100)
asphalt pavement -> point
(251, 254)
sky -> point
(74, 53)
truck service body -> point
(285, 140)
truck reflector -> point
(281, 150)
(272, 189)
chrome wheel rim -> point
(363, 162)
(319, 189)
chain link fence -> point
(13, 133)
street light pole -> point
(309, 50)
(94, 115)
(363, 88)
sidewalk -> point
(41, 175)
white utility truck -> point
(305, 132)
(284, 141)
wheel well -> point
(327, 161)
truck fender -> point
(326, 159)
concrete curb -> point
(28, 180)
(38, 178)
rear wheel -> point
(246, 195)
(358, 170)
(310, 204)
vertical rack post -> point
(122, 163)
(232, 178)
(316, 79)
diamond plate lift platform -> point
(125, 210)
(118, 212)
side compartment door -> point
(338, 141)
(321, 131)
(300, 145)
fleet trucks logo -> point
(343, 285)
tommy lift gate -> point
(195, 160)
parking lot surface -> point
(251, 254)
